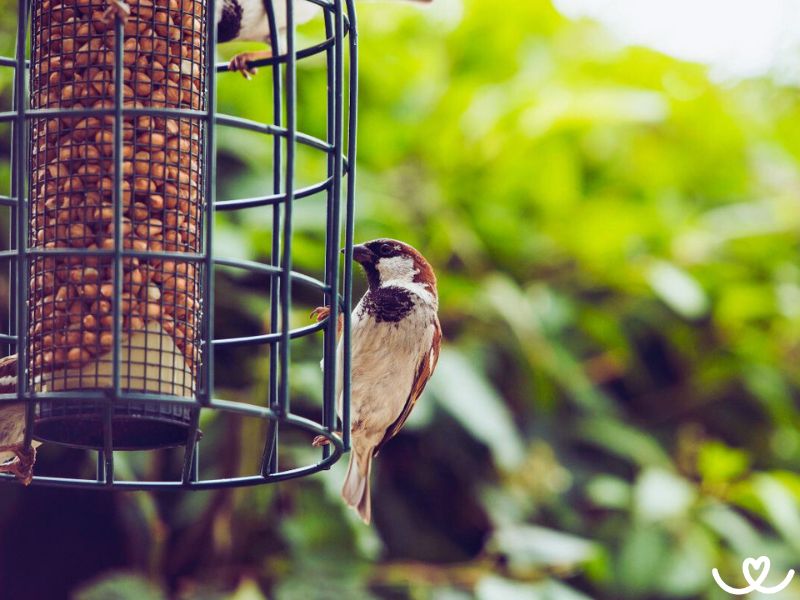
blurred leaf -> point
(639, 564)
(718, 463)
(528, 546)
(527, 319)
(734, 529)
(660, 494)
(623, 441)
(464, 392)
(781, 507)
(248, 590)
(497, 588)
(678, 290)
(450, 594)
(609, 492)
(121, 586)
(684, 573)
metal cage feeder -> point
(111, 213)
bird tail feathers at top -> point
(356, 484)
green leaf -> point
(121, 586)
(781, 507)
(679, 290)
(609, 492)
(624, 441)
(660, 494)
(718, 463)
(494, 587)
(734, 529)
(686, 568)
(248, 590)
(640, 560)
(463, 391)
(528, 546)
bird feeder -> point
(112, 210)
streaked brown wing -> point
(424, 371)
(8, 374)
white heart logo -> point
(761, 567)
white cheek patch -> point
(397, 269)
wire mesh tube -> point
(116, 210)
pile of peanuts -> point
(72, 178)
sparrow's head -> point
(389, 262)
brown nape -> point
(425, 274)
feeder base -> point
(140, 425)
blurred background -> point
(608, 191)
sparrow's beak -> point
(362, 254)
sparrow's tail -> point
(356, 484)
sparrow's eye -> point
(386, 250)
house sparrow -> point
(14, 457)
(395, 346)
(247, 20)
(244, 20)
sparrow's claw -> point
(239, 62)
(27, 458)
(321, 440)
(22, 466)
(320, 313)
(323, 312)
(117, 8)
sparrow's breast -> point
(388, 343)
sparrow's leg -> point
(239, 62)
(321, 440)
(22, 467)
(116, 8)
(320, 314)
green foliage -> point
(121, 587)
